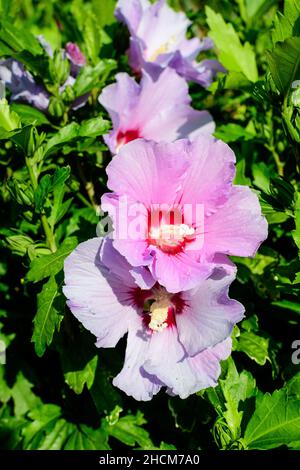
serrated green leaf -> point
(284, 63)
(24, 398)
(79, 361)
(233, 132)
(90, 128)
(275, 422)
(233, 55)
(49, 265)
(236, 388)
(43, 419)
(129, 431)
(255, 346)
(86, 438)
(50, 303)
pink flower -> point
(158, 111)
(158, 40)
(74, 54)
(174, 340)
(175, 209)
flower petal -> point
(99, 299)
(238, 228)
(209, 314)
(132, 379)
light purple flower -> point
(175, 209)
(22, 85)
(158, 111)
(174, 340)
(158, 40)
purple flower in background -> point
(22, 85)
(158, 111)
(76, 57)
(175, 209)
(158, 40)
(174, 340)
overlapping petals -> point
(158, 40)
(194, 182)
(158, 111)
(182, 354)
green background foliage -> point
(55, 388)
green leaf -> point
(293, 386)
(284, 63)
(233, 132)
(19, 40)
(55, 439)
(296, 232)
(41, 192)
(287, 24)
(79, 361)
(104, 11)
(233, 55)
(236, 388)
(49, 265)
(9, 120)
(86, 438)
(128, 430)
(59, 209)
(93, 77)
(288, 304)
(255, 346)
(43, 420)
(29, 115)
(91, 32)
(93, 127)
(275, 421)
(50, 303)
(24, 398)
(90, 128)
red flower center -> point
(127, 136)
(167, 230)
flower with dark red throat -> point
(175, 209)
(174, 340)
(160, 111)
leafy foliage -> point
(56, 388)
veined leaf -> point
(50, 265)
(275, 422)
(284, 63)
(233, 55)
(49, 315)
(255, 346)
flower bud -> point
(59, 67)
(56, 107)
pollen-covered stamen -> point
(171, 238)
(159, 312)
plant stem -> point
(47, 230)
(278, 162)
